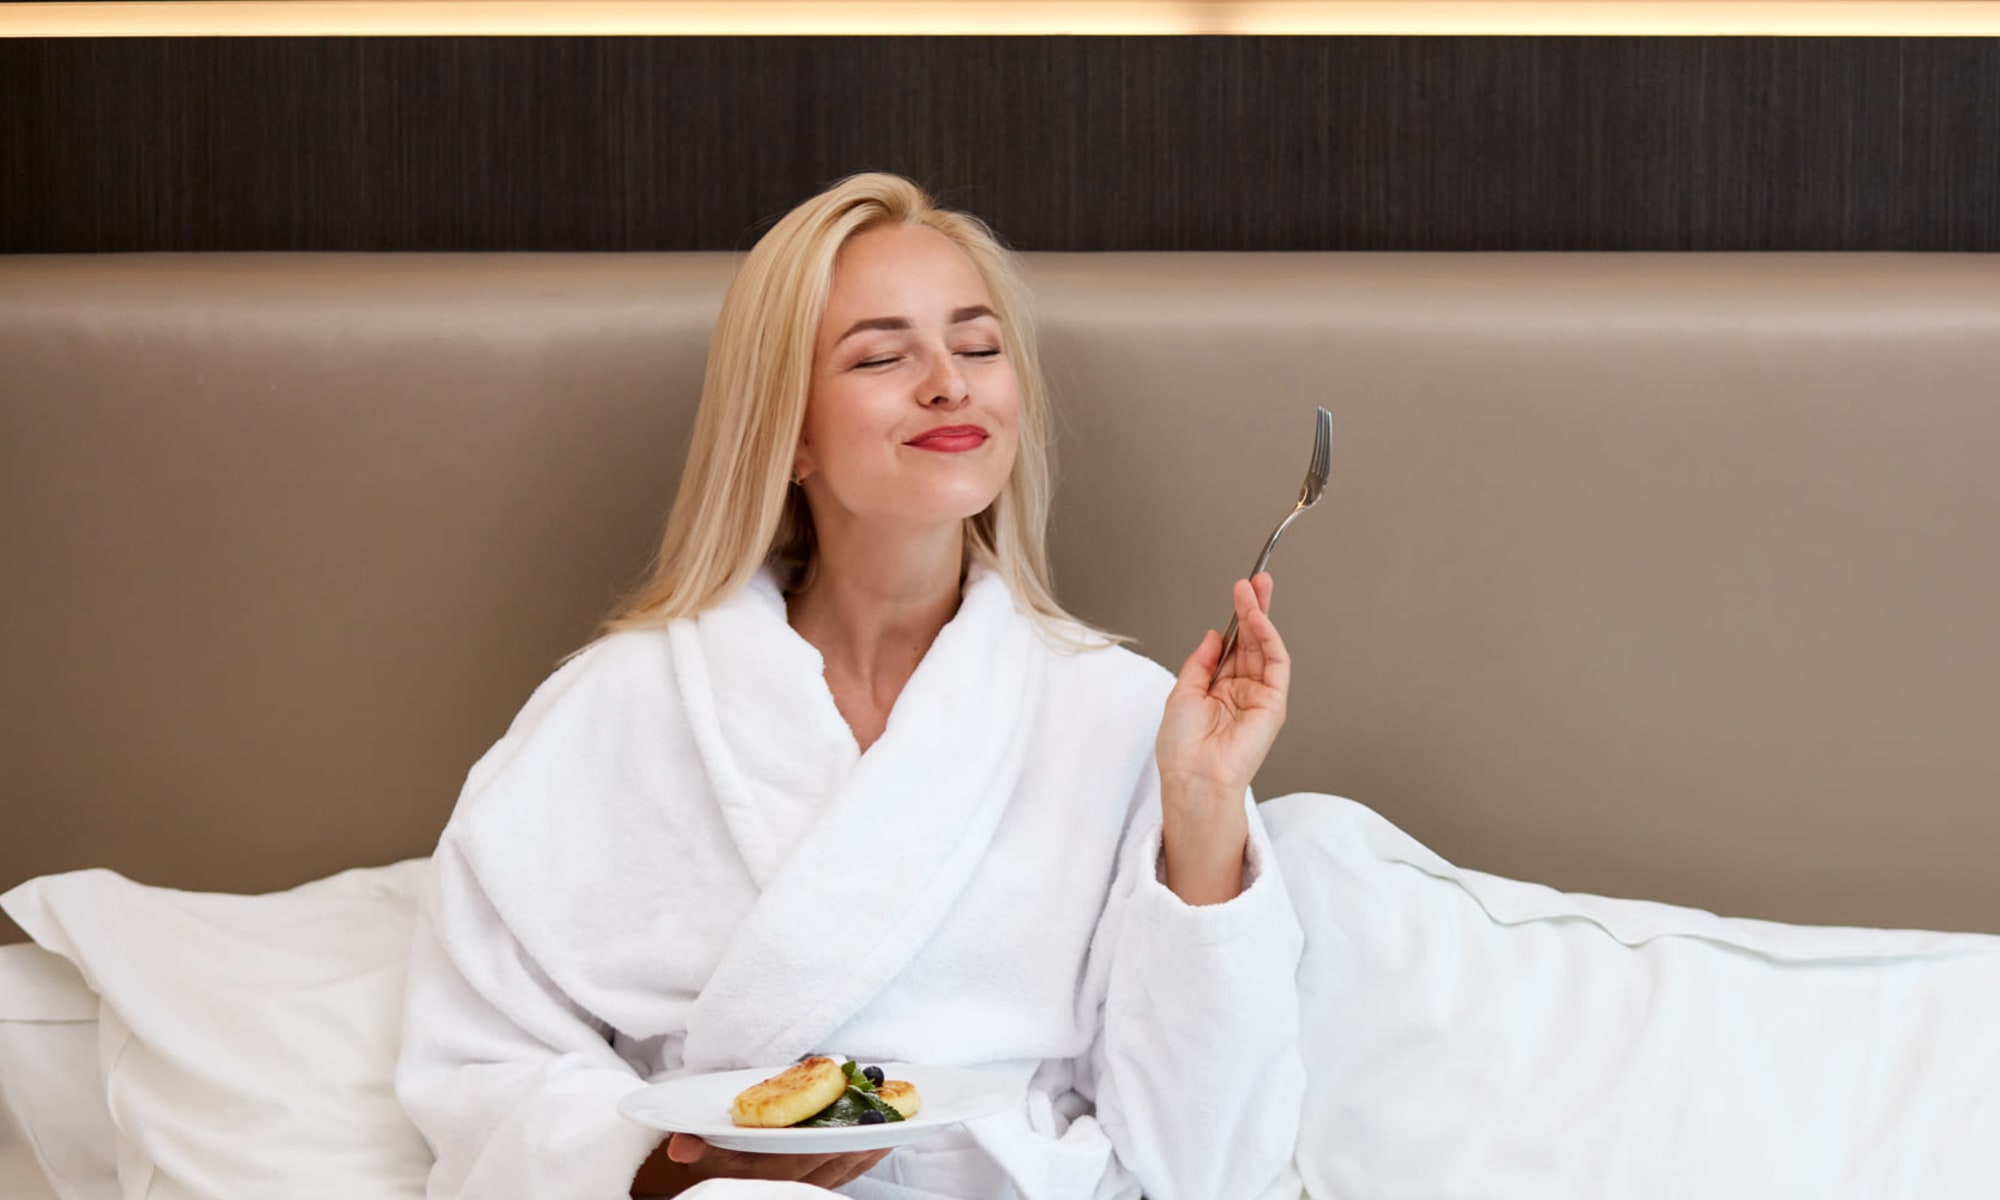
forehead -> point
(902, 271)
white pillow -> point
(1471, 1036)
(55, 1131)
(248, 1043)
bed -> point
(1662, 579)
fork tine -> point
(1322, 455)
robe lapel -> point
(891, 850)
(772, 742)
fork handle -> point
(1228, 647)
(1229, 634)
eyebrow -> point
(959, 316)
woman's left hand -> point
(1211, 742)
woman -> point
(843, 777)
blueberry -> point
(871, 1117)
(874, 1075)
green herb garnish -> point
(858, 1099)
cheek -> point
(1004, 396)
(837, 414)
(1005, 403)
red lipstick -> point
(950, 439)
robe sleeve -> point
(1198, 1073)
(514, 1086)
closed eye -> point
(876, 362)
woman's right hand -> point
(683, 1160)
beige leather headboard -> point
(1660, 576)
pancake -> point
(790, 1096)
(901, 1095)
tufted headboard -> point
(1659, 576)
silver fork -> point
(1309, 494)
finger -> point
(686, 1148)
(857, 1165)
(819, 1169)
(1275, 662)
(788, 1168)
(1249, 659)
(1264, 585)
(832, 1173)
(865, 1163)
(1201, 664)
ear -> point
(802, 464)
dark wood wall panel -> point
(1063, 143)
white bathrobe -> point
(677, 860)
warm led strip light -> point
(269, 18)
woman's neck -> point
(872, 610)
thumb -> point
(686, 1148)
(1201, 664)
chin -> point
(957, 504)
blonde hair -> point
(735, 510)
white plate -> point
(700, 1104)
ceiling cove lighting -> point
(528, 18)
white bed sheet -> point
(20, 1176)
(54, 1124)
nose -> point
(945, 387)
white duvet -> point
(1477, 1038)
